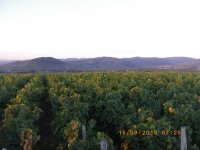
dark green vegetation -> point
(48, 64)
(47, 111)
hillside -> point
(2, 62)
(37, 64)
(193, 65)
(99, 63)
(154, 62)
(49, 64)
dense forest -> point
(131, 110)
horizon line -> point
(96, 57)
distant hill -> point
(37, 64)
(2, 62)
(49, 64)
(110, 63)
(99, 63)
(73, 59)
(193, 65)
(154, 62)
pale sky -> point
(94, 28)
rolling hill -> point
(37, 64)
(2, 62)
(99, 63)
(154, 62)
(190, 66)
(49, 64)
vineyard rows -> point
(47, 111)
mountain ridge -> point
(50, 64)
(36, 64)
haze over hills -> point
(154, 62)
(49, 64)
(37, 64)
(193, 65)
(2, 62)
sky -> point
(95, 28)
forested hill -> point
(37, 64)
(2, 62)
(101, 64)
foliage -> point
(105, 102)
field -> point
(131, 110)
